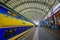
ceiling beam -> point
(27, 13)
(33, 8)
(38, 2)
(50, 9)
(32, 11)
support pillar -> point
(54, 22)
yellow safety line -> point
(15, 37)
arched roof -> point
(34, 10)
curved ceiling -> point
(34, 10)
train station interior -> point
(29, 19)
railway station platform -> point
(29, 19)
(42, 33)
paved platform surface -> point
(36, 34)
(41, 33)
(46, 34)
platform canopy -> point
(34, 10)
